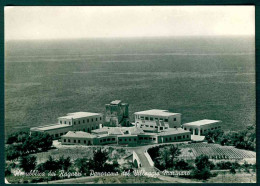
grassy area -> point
(80, 152)
(234, 178)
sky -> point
(129, 21)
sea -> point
(200, 77)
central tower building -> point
(117, 114)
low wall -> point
(135, 157)
(149, 158)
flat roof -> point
(156, 112)
(79, 134)
(171, 131)
(115, 102)
(49, 127)
(118, 130)
(201, 122)
(76, 115)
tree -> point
(28, 163)
(99, 159)
(202, 162)
(51, 164)
(167, 156)
(232, 170)
(64, 163)
(84, 165)
(181, 165)
(12, 152)
(203, 166)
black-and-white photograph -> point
(130, 94)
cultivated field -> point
(215, 151)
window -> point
(60, 122)
(100, 118)
(61, 134)
(150, 138)
(78, 141)
(166, 127)
(56, 135)
(174, 119)
(64, 122)
(64, 140)
(69, 122)
(85, 141)
(154, 139)
(113, 139)
(142, 117)
(161, 128)
(174, 138)
(147, 125)
(125, 139)
(145, 138)
(108, 139)
(92, 128)
(129, 139)
(96, 127)
(170, 139)
(183, 136)
(156, 118)
(87, 120)
(134, 139)
(92, 120)
(151, 126)
(101, 141)
(74, 122)
(215, 127)
(187, 136)
(184, 128)
(212, 128)
(146, 118)
(74, 141)
(68, 140)
(166, 120)
(83, 121)
(141, 138)
(96, 119)
(161, 119)
(79, 122)
(151, 119)
(104, 140)
(156, 127)
(166, 139)
(120, 139)
(179, 137)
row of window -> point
(129, 139)
(77, 141)
(83, 121)
(151, 118)
(146, 138)
(151, 126)
(174, 138)
(107, 140)
(205, 129)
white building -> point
(157, 120)
(77, 121)
(202, 126)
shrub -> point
(28, 163)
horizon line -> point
(131, 37)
